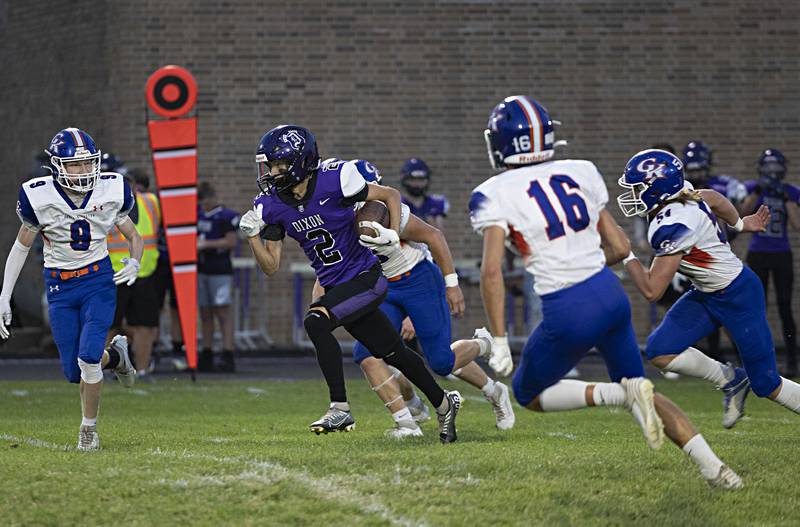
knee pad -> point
(90, 373)
(764, 383)
(316, 323)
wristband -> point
(501, 341)
(451, 280)
(628, 258)
(739, 226)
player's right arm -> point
(493, 290)
(613, 240)
(14, 262)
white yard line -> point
(330, 488)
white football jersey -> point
(410, 253)
(692, 229)
(549, 212)
(74, 235)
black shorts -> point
(351, 300)
(164, 283)
(138, 304)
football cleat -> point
(447, 420)
(125, 372)
(639, 394)
(88, 439)
(404, 429)
(726, 479)
(334, 420)
(419, 411)
(735, 393)
(501, 405)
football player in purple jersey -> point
(313, 203)
(769, 251)
(416, 178)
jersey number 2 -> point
(573, 204)
(81, 234)
(322, 248)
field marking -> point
(329, 488)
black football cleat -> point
(447, 420)
(334, 420)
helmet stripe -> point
(535, 121)
(76, 134)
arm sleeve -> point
(405, 213)
(360, 196)
(25, 211)
(14, 263)
(274, 232)
(351, 181)
(485, 212)
(672, 239)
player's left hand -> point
(500, 357)
(407, 330)
(758, 221)
(455, 299)
(386, 237)
(127, 275)
(5, 317)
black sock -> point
(412, 366)
(113, 359)
(329, 354)
(177, 347)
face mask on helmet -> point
(416, 186)
(286, 156)
(76, 160)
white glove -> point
(386, 237)
(251, 223)
(500, 357)
(127, 275)
(5, 317)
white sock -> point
(564, 395)
(701, 453)
(488, 388)
(444, 407)
(402, 415)
(484, 346)
(345, 406)
(89, 422)
(695, 363)
(789, 396)
(609, 394)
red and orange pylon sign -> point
(171, 92)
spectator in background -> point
(164, 283)
(770, 252)
(416, 178)
(137, 304)
(216, 230)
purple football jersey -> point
(323, 224)
(214, 225)
(435, 205)
(776, 237)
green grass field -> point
(239, 453)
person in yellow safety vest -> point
(137, 305)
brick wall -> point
(386, 80)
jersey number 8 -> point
(573, 204)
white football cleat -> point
(726, 479)
(125, 372)
(404, 429)
(501, 404)
(639, 394)
(419, 411)
(88, 439)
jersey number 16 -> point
(571, 202)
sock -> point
(177, 347)
(402, 415)
(564, 395)
(484, 345)
(113, 359)
(488, 388)
(695, 363)
(329, 355)
(443, 407)
(697, 449)
(344, 406)
(89, 422)
(609, 394)
(789, 396)
(412, 366)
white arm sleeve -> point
(351, 180)
(405, 213)
(14, 263)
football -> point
(371, 211)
